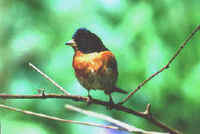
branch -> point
(118, 107)
(58, 119)
(164, 68)
(127, 127)
(48, 78)
(146, 115)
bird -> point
(95, 66)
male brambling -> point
(94, 65)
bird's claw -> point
(89, 100)
(110, 104)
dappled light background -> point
(143, 35)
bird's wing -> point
(109, 66)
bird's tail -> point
(116, 89)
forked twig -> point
(165, 67)
(144, 115)
(48, 78)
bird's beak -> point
(70, 43)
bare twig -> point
(58, 119)
(48, 78)
(165, 67)
(127, 127)
(95, 101)
(146, 115)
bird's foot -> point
(89, 101)
(110, 104)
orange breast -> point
(95, 70)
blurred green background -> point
(143, 35)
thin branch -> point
(48, 78)
(127, 127)
(146, 115)
(58, 119)
(95, 101)
(164, 68)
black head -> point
(88, 42)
